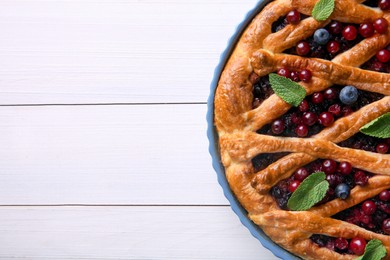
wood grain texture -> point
(151, 154)
(125, 233)
(112, 51)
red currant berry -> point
(360, 178)
(326, 118)
(316, 167)
(335, 27)
(305, 75)
(304, 106)
(335, 109)
(347, 111)
(333, 47)
(293, 17)
(293, 186)
(329, 166)
(277, 127)
(341, 243)
(386, 226)
(344, 168)
(309, 118)
(366, 30)
(357, 245)
(294, 76)
(295, 119)
(384, 195)
(350, 32)
(384, 4)
(317, 98)
(303, 48)
(382, 148)
(301, 174)
(331, 93)
(330, 245)
(366, 219)
(377, 66)
(383, 55)
(284, 72)
(334, 179)
(369, 207)
(301, 130)
(381, 25)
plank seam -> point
(114, 205)
(105, 104)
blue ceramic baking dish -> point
(214, 150)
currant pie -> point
(271, 141)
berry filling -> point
(380, 62)
(261, 90)
(384, 4)
(336, 38)
(279, 24)
(261, 161)
(364, 142)
(319, 111)
(342, 177)
(315, 112)
(355, 246)
(293, 17)
(371, 3)
(372, 214)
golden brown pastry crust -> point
(260, 51)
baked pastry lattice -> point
(259, 52)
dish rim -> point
(213, 142)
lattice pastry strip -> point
(340, 131)
(236, 122)
(247, 145)
(265, 62)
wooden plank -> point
(125, 233)
(112, 51)
(151, 154)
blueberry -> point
(321, 36)
(342, 191)
(349, 95)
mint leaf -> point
(286, 89)
(374, 251)
(323, 9)
(312, 190)
(379, 127)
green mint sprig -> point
(379, 127)
(311, 191)
(323, 9)
(286, 89)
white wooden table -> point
(103, 131)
